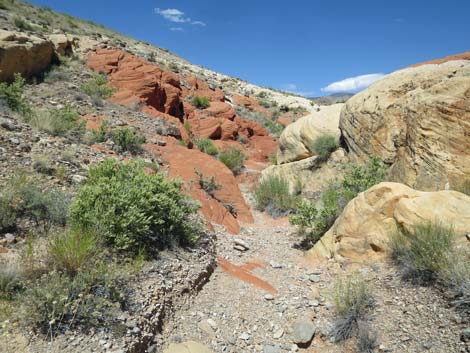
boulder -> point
(184, 162)
(417, 120)
(63, 44)
(361, 232)
(25, 54)
(295, 142)
(187, 347)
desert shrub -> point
(23, 198)
(273, 127)
(57, 302)
(206, 146)
(43, 165)
(201, 102)
(97, 136)
(132, 210)
(352, 301)
(3, 5)
(12, 96)
(273, 195)
(456, 278)
(97, 87)
(59, 122)
(424, 252)
(233, 159)
(10, 281)
(127, 140)
(208, 184)
(323, 146)
(367, 340)
(70, 250)
(20, 23)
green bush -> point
(233, 159)
(206, 146)
(21, 197)
(12, 96)
(273, 127)
(352, 301)
(97, 87)
(132, 210)
(127, 139)
(57, 302)
(20, 23)
(208, 184)
(59, 122)
(273, 195)
(323, 146)
(10, 281)
(201, 102)
(425, 251)
(70, 250)
(93, 136)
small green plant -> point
(131, 209)
(70, 250)
(206, 146)
(97, 136)
(323, 146)
(12, 96)
(201, 102)
(187, 127)
(208, 184)
(97, 87)
(274, 127)
(425, 251)
(127, 140)
(10, 281)
(173, 66)
(20, 23)
(273, 195)
(233, 159)
(43, 165)
(352, 302)
(59, 122)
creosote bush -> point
(132, 210)
(201, 102)
(206, 146)
(208, 184)
(352, 301)
(324, 145)
(127, 140)
(233, 159)
(12, 96)
(273, 196)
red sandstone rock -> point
(251, 103)
(462, 56)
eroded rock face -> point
(297, 138)
(184, 162)
(25, 54)
(361, 233)
(417, 120)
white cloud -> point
(352, 84)
(292, 88)
(199, 23)
(177, 16)
(176, 29)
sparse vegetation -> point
(273, 127)
(201, 102)
(97, 87)
(59, 122)
(10, 281)
(208, 184)
(323, 146)
(273, 196)
(127, 140)
(132, 210)
(352, 302)
(12, 96)
(206, 146)
(22, 24)
(233, 159)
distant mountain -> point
(332, 98)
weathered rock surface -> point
(63, 44)
(187, 347)
(417, 120)
(296, 140)
(361, 233)
(25, 54)
(184, 162)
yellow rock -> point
(187, 347)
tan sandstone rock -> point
(416, 119)
(296, 140)
(187, 347)
(361, 233)
(25, 54)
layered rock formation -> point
(361, 233)
(25, 54)
(417, 120)
(296, 140)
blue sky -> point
(305, 46)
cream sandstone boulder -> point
(361, 232)
(296, 140)
(187, 347)
(417, 120)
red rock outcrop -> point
(251, 103)
(462, 56)
(183, 162)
